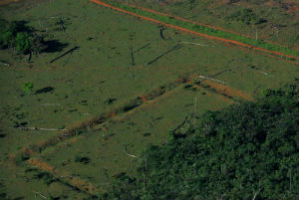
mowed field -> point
(93, 111)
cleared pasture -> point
(116, 62)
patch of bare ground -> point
(40, 164)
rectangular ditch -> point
(109, 150)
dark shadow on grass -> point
(53, 46)
(19, 198)
(45, 90)
(82, 159)
(3, 195)
(21, 26)
(69, 51)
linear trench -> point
(131, 106)
(81, 185)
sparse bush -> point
(82, 159)
(27, 87)
(22, 41)
(246, 16)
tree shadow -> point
(22, 26)
(45, 90)
(19, 198)
(53, 46)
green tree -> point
(246, 151)
(23, 42)
(21, 37)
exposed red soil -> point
(74, 181)
(224, 98)
(202, 24)
(114, 113)
(4, 2)
(87, 186)
(223, 89)
(264, 54)
(294, 9)
(40, 164)
(194, 32)
(143, 98)
(83, 185)
(271, 3)
(183, 19)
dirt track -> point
(193, 22)
(194, 32)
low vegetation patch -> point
(246, 16)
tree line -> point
(246, 151)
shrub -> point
(22, 42)
(246, 16)
(27, 87)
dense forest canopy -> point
(246, 151)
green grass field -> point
(115, 63)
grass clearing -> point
(100, 77)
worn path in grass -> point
(194, 32)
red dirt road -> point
(194, 32)
(194, 22)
